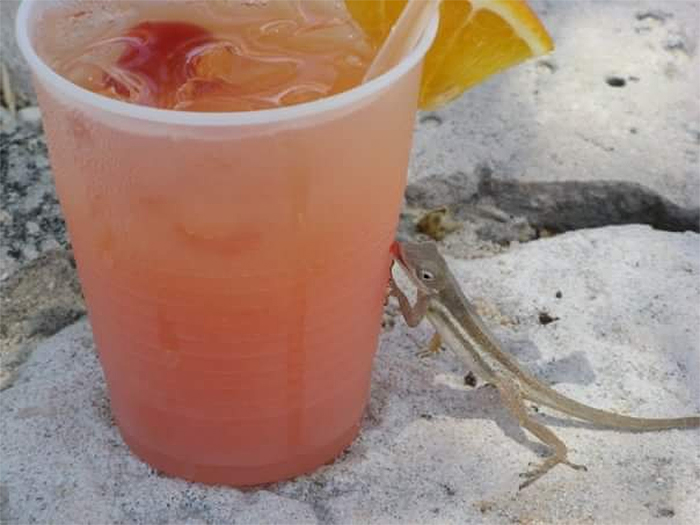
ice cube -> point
(129, 87)
(300, 93)
(235, 69)
(215, 60)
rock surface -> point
(618, 99)
(31, 222)
(431, 450)
(566, 117)
(35, 303)
(603, 131)
(17, 68)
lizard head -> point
(423, 263)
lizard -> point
(441, 300)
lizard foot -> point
(433, 347)
(547, 465)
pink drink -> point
(234, 264)
(213, 55)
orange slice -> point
(476, 39)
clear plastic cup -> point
(234, 264)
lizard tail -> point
(554, 400)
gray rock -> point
(657, 15)
(623, 335)
(559, 118)
(36, 301)
(30, 116)
(17, 67)
(571, 205)
(8, 123)
(503, 211)
(32, 228)
(27, 196)
(616, 101)
(588, 113)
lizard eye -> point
(426, 275)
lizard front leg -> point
(413, 315)
(513, 400)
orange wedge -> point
(476, 39)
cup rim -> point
(193, 118)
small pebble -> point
(49, 244)
(32, 228)
(29, 252)
(5, 218)
(30, 116)
(8, 123)
(41, 161)
(675, 41)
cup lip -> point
(193, 118)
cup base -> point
(238, 476)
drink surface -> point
(213, 55)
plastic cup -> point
(234, 264)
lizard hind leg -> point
(512, 398)
(433, 347)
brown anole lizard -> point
(441, 301)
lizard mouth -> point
(398, 251)
(394, 249)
